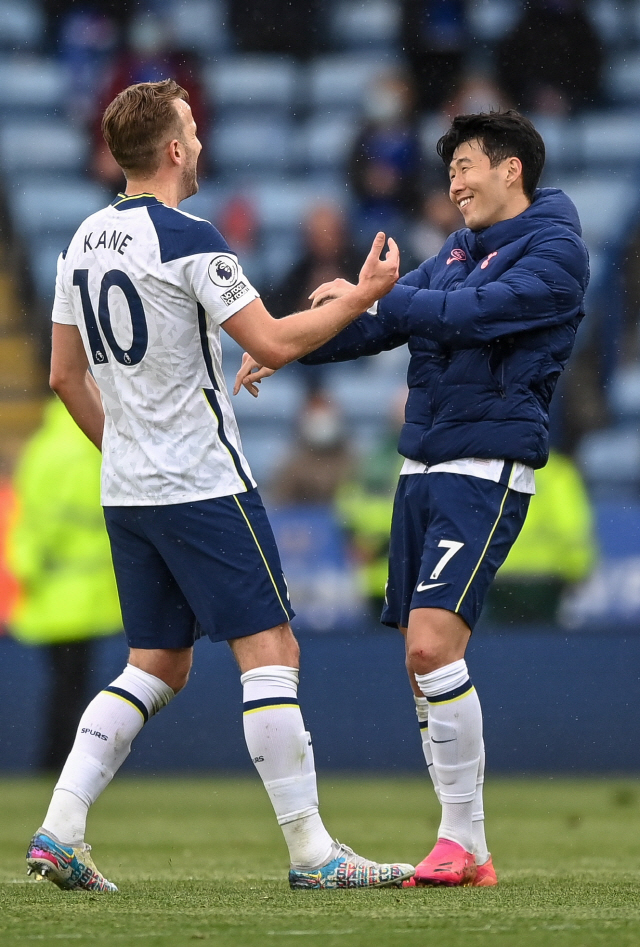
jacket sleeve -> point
(370, 334)
(545, 288)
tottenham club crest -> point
(223, 270)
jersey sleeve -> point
(62, 311)
(219, 284)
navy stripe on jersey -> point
(180, 236)
(211, 397)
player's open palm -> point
(378, 276)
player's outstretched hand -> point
(378, 276)
(250, 374)
(332, 290)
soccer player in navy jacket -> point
(490, 323)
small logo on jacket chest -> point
(457, 255)
(485, 263)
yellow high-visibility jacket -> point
(557, 537)
(58, 547)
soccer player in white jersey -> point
(141, 294)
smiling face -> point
(485, 194)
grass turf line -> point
(203, 860)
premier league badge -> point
(223, 270)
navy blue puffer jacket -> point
(490, 323)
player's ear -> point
(175, 151)
(514, 169)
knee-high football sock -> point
(282, 753)
(479, 849)
(455, 729)
(103, 742)
(422, 711)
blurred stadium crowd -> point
(319, 123)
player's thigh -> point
(273, 646)
(155, 612)
(408, 528)
(223, 555)
(472, 525)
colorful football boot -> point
(449, 864)
(348, 870)
(485, 875)
(68, 866)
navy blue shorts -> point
(450, 533)
(191, 569)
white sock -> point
(422, 712)
(455, 729)
(479, 849)
(282, 753)
(103, 742)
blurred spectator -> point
(555, 549)
(321, 460)
(475, 92)
(57, 12)
(434, 39)
(385, 162)
(87, 41)
(365, 505)
(271, 26)
(439, 218)
(148, 57)
(8, 583)
(551, 61)
(59, 551)
(327, 254)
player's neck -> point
(164, 190)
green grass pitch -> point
(202, 860)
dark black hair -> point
(501, 135)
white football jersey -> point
(148, 287)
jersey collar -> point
(128, 202)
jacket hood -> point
(550, 207)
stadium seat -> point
(279, 402)
(43, 253)
(372, 25)
(285, 204)
(199, 25)
(326, 140)
(611, 458)
(340, 81)
(54, 206)
(46, 145)
(206, 203)
(491, 20)
(21, 24)
(432, 127)
(610, 139)
(35, 85)
(261, 144)
(613, 21)
(603, 204)
(252, 81)
(561, 140)
(624, 393)
(622, 78)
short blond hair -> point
(140, 119)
